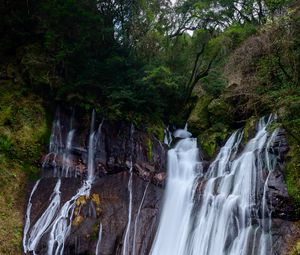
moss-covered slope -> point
(23, 130)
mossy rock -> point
(156, 129)
(199, 118)
(292, 172)
(81, 201)
(149, 150)
(296, 249)
(77, 220)
(250, 128)
(96, 199)
(211, 140)
(23, 132)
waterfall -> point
(91, 149)
(129, 186)
(167, 136)
(137, 219)
(45, 220)
(61, 226)
(27, 217)
(56, 220)
(55, 145)
(232, 216)
(173, 230)
(66, 155)
(99, 240)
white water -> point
(27, 217)
(66, 155)
(99, 240)
(173, 230)
(136, 222)
(228, 221)
(167, 136)
(125, 250)
(55, 145)
(54, 221)
(61, 226)
(182, 133)
(45, 220)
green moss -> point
(23, 130)
(199, 117)
(250, 128)
(156, 129)
(212, 139)
(292, 172)
(296, 249)
(149, 149)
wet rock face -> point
(106, 206)
(279, 201)
(116, 147)
(105, 212)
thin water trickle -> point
(167, 136)
(126, 245)
(54, 221)
(61, 226)
(42, 224)
(99, 240)
(66, 155)
(137, 220)
(27, 217)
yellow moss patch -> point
(81, 201)
(77, 220)
(96, 199)
(296, 249)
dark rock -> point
(110, 200)
(115, 149)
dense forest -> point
(216, 64)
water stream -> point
(27, 217)
(222, 211)
(56, 220)
(126, 245)
(136, 222)
(233, 217)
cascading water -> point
(167, 136)
(66, 155)
(137, 220)
(99, 240)
(45, 220)
(27, 217)
(233, 217)
(61, 226)
(129, 186)
(55, 222)
(173, 229)
(55, 145)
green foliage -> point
(5, 144)
(212, 139)
(23, 127)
